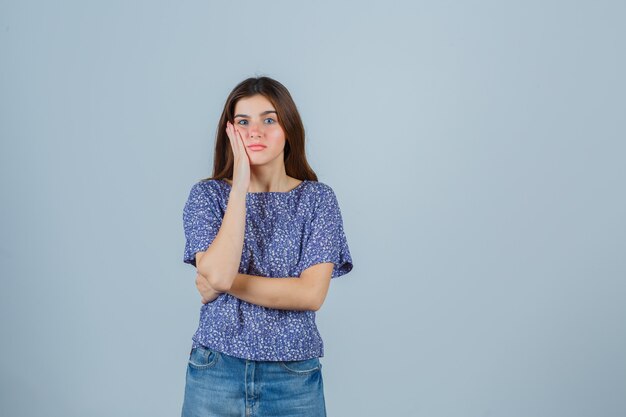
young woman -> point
(266, 238)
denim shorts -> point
(221, 385)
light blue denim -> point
(221, 385)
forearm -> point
(290, 293)
(220, 262)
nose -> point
(255, 130)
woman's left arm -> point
(306, 292)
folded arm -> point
(306, 292)
(218, 267)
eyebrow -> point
(262, 114)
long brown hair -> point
(289, 119)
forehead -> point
(253, 105)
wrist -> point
(238, 191)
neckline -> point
(270, 192)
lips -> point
(256, 147)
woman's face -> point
(257, 121)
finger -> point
(230, 132)
(241, 143)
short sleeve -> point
(325, 240)
(202, 219)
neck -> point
(276, 182)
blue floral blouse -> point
(285, 233)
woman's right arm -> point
(220, 262)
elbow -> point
(315, 297)
(216, 281)
(316, 304)
(220, 286)
(219, 283)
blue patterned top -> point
(285, 233)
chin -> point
(254, 160)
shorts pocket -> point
(302, 367)
(203, 358)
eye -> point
(270, 121)
(242, 122)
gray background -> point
(476, 148)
